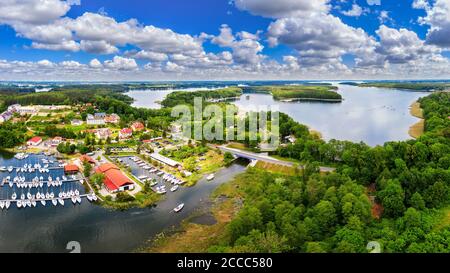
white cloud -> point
(95, 63)
(438, 18)
(121, 63)
(282, 8)
(355, 11)
(98, 47)
(33, 11)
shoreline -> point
(416, 130)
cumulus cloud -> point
(33, 11)
(98, 47)
(438, 18)
(282, 8)
(355, 11)
(121, 63)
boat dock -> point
(45, 182)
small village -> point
(119, 164)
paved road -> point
(265, 158)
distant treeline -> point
(416, 86)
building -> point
(137, 126)
(5, 116)
(113, 118)
(103, 133)
(95, 120)
(14, 108)
(27, 110)
(165, 160)
(56, 141)
(76, 122)
(34, 141)
(115, 180)
(86, 158)
(125, 133)
(71, 169)
(152, 140)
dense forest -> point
(391, 194)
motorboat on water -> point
(61, 201)
(54, 202)
(179, 207)
(174, 188)
(210, 177)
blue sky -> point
(222, 39)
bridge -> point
(264, 158)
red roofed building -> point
(86, 158)
(137, 126)
(125, 133)
(70, 168)
(34, 141)
(115, 180)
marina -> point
(32, 180)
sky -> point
(109, 40)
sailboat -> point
(55, 202)
(14, 196)
(61, 201)
(19, 204)
(2, 204)
(7, 204)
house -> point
(27, 110)
(125, 133)
(76, 122)
(86, 158)
(103, 133)
(5, 116)
(113, 118)
(95, 120)
(165, 160)
(137, 126)
(56, 141)
(115, 180)
(100, 115)
(71, 169)
(152, 140)
(34, 141)
(13, 108)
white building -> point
(95, 120)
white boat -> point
(174, 188)
(19, 204)
(43, 203)
(179, 207)
(210, 177)
(7, 204)
(2, 169)
(14, 196)
(61, 201)
(2, 204)
(94, 197)
(78, 198)
(55, 203)
(74, 200)
(33, 203)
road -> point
(265, 158)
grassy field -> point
(275, 168)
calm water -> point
(97, 229)
(372, 115)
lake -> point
(49, 229)
(371, 115)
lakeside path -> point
(265, 158)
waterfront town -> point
(118, 164)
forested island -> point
(325, 93)
(183, 97)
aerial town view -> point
(286, 126)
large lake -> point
(49, 229)
(371, 115)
